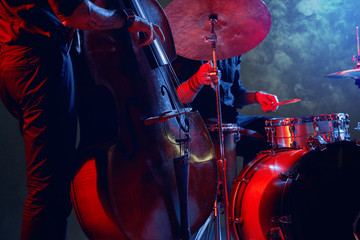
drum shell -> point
(290, 134)
(249, 188)
(296, 132)
(231, 133)
(298, 193)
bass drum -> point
(298, 194)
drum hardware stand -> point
(356, 59)
(275, 233)
(204, 226)
(222, 161)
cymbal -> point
(351, 73)
(241, 26)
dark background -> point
(308, 40)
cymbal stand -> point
(356, 59)
(222, 161)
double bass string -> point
(169, 72)
(168, 62)
(159, 46)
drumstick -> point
(287, 102)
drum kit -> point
(305, 186)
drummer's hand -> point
(144, 26)
(203, 74)
(267, 101)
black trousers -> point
(36, 86)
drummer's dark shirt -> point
(231, 90)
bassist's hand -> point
(150, 30)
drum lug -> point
(237, 137)
(357, 127)
(243, 179)
(293, 144)
(292, 136)
(282, 219)
(336, 134)
(268, 152)
(271, 133)
(239, 220)
(314, 143)
(285, 176)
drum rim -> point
(273, 122)
(239, 187)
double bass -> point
(152, 172)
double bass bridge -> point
(163, 117)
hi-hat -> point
(351, 73)
(241, 26)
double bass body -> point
(128, 190)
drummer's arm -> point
(246, 98)
(188, 90)
(266, 100)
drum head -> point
(324, 201)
